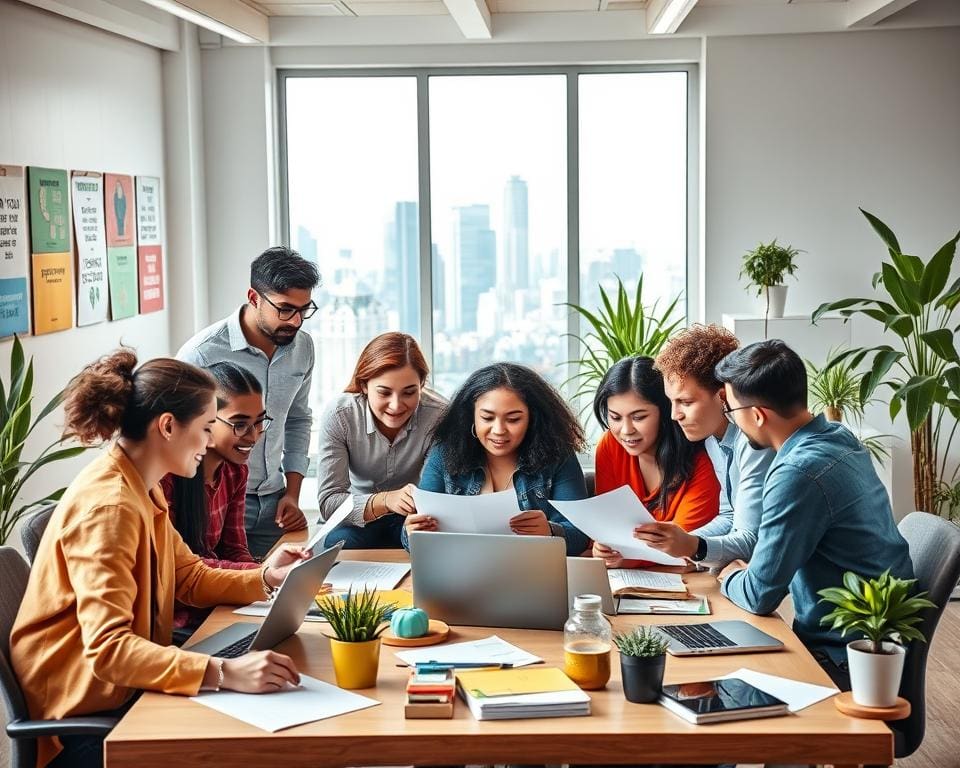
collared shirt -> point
(740, 471)
(354, 457)
(285, 379)
(825, 512)
(96, 620)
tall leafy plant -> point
(922, 368)
(619, 329)
(16, 425)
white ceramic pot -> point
(777, 297)
(875, 677)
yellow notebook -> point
(402, 597)
(513, 682)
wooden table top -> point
(162, 730)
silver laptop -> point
(489, 580)
(587, 575)
(284, 617)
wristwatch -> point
(701, 550)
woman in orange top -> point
(645, 449)
(95, 624)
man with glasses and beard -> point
(264, 336)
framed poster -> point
(51, 260)
(90, 237)
(149, 244)
(121, 245)
(14, 252)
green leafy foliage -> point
(642, 642)
(357, 616)
(618, 330)
(768, 264)
(879, 609)
(16, 425)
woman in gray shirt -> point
(373, 440)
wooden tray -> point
(845, 703)
(438, 632)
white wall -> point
(77, 98)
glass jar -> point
(587, 640)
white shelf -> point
(811, 342)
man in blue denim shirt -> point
(825, 510)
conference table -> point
(161, 731)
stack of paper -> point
(640, 583)
(491, 650)
(696, 605)
(520, 693)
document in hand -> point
(521, 693)
(610, 519)
(485, 513)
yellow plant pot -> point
(355, 664)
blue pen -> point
(428, 665)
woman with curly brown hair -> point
(688, 362)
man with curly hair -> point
(687, 363)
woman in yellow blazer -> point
(95, 625)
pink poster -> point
(151, 278)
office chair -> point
(935, 551)
(32, 530)
(590, 478)
(23, 731)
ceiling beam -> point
(473, 18)
(866, 13)
(664, 17)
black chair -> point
(23, 732)
(935, 551)
(32, 530)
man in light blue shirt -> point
(825, 510)
(264, 335)
(687, 363)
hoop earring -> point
(473, 430)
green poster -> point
(122, 269)
(49, 210)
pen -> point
(469, 664)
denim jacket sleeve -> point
(568, 485)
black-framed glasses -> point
(286, 313)
(241, 428)
(728, 411)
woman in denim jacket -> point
(508, 428)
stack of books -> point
(430, 692)
(652, 592)
(509, 694)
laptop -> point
(489, 580)
(287, 611)
(589, 576)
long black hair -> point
(552, 434)
(190, 514)
(675, 454)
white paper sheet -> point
(313, 700)
(484, 513)
(652, 580)
(473, 652)
(359, 575)
(338, 516)
(798, 695)
(610, 519)
(261, 607)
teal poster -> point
(49, 210)
(122, 268)
(14, 252)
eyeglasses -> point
(287, 313)
(242, 428)
(728, 411)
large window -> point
(495, 157)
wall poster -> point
(90, 237)
(50, 245)
(14, 252)
(149, 244)
(121, 245)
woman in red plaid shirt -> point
(208, 509)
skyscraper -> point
(306, 244)
(402, 266)
(474, 265)
(513, 271)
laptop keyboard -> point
(238, 648)
(698, 636)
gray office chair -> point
(590, 477)
(32, 530)
(23, 731)
(935, 551)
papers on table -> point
(696, 605)
(519, 693)
(490, 649)
(797, 695)
(610, 519)
(359, 575)
(484, 513)
(339, 515)
(313, 700)
(261, 607)
(402, 598)
(639, 580)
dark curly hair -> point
(694, 353)
(675, 454)
(553, 431)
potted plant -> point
(885, 613)
(357, 620)
(16, 425)
(922, 367)
(765, 267)
(643, 657)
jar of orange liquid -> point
(587, 640)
